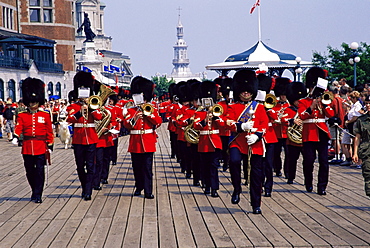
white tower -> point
(180, 62)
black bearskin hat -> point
(225, 85)
(183, 90)
(33, 90)
(72, 96)
(173, 92)
(244, 80)
(295, 91)
(312, 75)
(281, 83)
(143, 85)
(264, 82)
(83, 79)
(208, 89)
(194, 89)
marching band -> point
(234, 121)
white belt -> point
(205, 132)
(143, 131)
(314, 120)
(84, 125)
(270, 124)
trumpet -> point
(327, 97)
(147, 109)
(270, 101)
(216, 110)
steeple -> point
(180, 61)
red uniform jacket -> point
(84, 132)
(182, 120)
(143, 137)
(270, 135)
(209, 138)
(171, 116)
(106, 139)
(223, 129)
(260, 124)
(313, 120)
(280, 128)
(291, 114)
(37, 131)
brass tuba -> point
(97, 102)
(294, 132)
(270, 101)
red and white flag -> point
(257, 3)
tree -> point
(162, 84)
(336, 62)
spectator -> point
(9, 116)
(1, 117)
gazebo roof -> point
(256, 55)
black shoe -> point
(196, 183)
(97, 188)
(173, 156)
(137, 192)
(278, 174)
(214, 193)
(207, 191)
(188, 175)
(321, 192)
(87, 198)
(104, 181)
(38, 200)
(267, 194)
(149, 196)
(83, 195)
(309, 188)
(20, 143)
(257, 210)
(114, 163)
(290, 182)
(183, 170)
(178, 160)
(235, 198)
(245, 183)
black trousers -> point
(173, 140)
(268, 163)
(114, 149)
(35, 172)
(210, 165)
(142, 164)
(278, 165)
(255, 178)
(294, 152)
(184, 153)
(85, 161)
(309, 156)
(224, 152)
(102, 162)
(196, 165)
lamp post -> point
(298, 69)
(354, 60)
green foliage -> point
(336, 62)
(162, 84)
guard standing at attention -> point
(142, 120)
(85, 137)
(38, 138)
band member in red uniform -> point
(143, 138)
(207, 121)
(116, 110)
(315, 133)
(270, 139)
(294, 92)
(280, 128)
(85, 137)
(38, 137)
(248, 122)
(171, 117)
(224, 101)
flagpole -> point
(259, 23)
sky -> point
(145, 30)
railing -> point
(19, 63)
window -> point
(41, 11)
(8, 21)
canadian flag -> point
(101, 54)
(257, 3)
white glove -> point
(15, 141)
(251, 139)
(50, 151)
(246, 126)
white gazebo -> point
(277, 62)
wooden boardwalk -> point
(180, 215)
